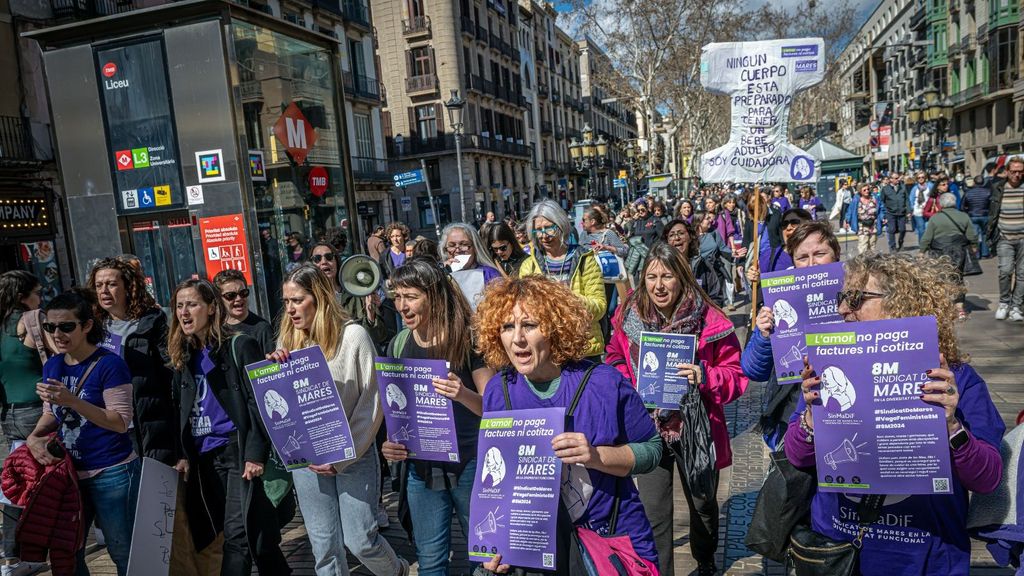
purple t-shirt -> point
(782, 203)
(812, 205)
(922, 534)
(209, 422)
(397, 259)
(605, 423)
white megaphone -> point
(359, 275)
(845, 452)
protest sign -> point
(514, 508)
(300, 407)
(415, 415)
(657, 376)
(873, 434)
(799, 297)
(112, 342)
(761, 79)
(153, 531)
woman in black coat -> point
(223, 445)
(136, 329)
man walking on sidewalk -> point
(1006, 232)
(894, 198)
(975, 204)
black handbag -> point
(968, 262)
(783, 502)
(813, 554)
(696, 449)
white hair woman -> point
(472, 267)
(946, 234)
(555, 254)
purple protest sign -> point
(799, 297)
(416, 416)
(872, 432)
(112, 342)
(657, 377)
(514, 509)
(299, 404)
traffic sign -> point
(408, 178)
(619, 183)
(406, 204)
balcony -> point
(251, 91)
(481, 33)
(424, 84)
(501, 92)
(356, 13)
(468, 27)
(487, 87)
(362, 86)
(307, 90)
(542, 90)
(545, 127)
(494, 41)
(975, 91)
(556, 97)
(446, 143)
(559, 133)
(370, 169)
(982, 34)
(966, 43)
(332, 6)
(919, 18)
(83, 9)
(416, 26)
(551, 166)
(539, 54)
(15, 139)
(327, 31)
(953, 51)
(475, 83)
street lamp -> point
(588, 154)
(455, 107)
(930, 115)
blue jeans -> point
(340, 511)
(110, 498)
(431, 513)
(981, 227)
(919, 224)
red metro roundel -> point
(109, 69)
(295, 132)
(318, 181)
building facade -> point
(427, 50)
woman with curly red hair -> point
(538, 334)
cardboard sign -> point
(224, 245)
(153, 532)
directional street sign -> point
(619, 183)
(408, 178)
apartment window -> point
(420, 61)
(415, 8)
(356, 57)
(364, 136)
(1003, 49)
(426, 121)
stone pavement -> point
(995, 349)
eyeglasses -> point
(681, 234)
(792, 222)
(318, 257)
(230, 296)
(459, 246)
(549, 231)
(501, 247)
(855, 298)
(65, 327)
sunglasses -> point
(792, 222)
(501, 247)
(230, 296)
(855, 298)
(547, 231)
(318, 257)
(65, 327)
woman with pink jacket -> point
(696, 437)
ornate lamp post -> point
(455, 107)
(589, 155)
(930, 115)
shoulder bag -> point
(783, 502)
(813, 554)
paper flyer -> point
(657, 378)
(415, 415)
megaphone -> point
(359, 275)
(845, 452)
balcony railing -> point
(545, 127)
(556, 97)
(373, 169)
(481, 33)
(982, 34)
(15, 139)
(559, 133)
(416, 26)
(494, 41)
(424, 83)
(502, 92)
(446, 143)
(356, 12)
(542, 90)
(362, 86)
(468, 27)
(90, 8)
(251, 90)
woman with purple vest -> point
(538, 333)
(916, 535)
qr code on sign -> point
(548, 560)
(453, 457)
(350, 452)
(940, 485)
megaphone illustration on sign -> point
(359, 275)
(845, 452)
(792, 357)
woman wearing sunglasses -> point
(809, 244)
(223, 446)
(235, 294)
(363, 310)
(680, 235)
(136, 330)
(931, 534)
(864, 218)
(670, 300)
(87, 400)
(472, 268)
(554, 255)
(504, 247)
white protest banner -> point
(761, 79)
(154, 520)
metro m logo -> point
(292, 129)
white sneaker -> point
(382, 517)
(1016, 315)
(23, 568)
(1002, 311)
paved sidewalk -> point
(996, 352)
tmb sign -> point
(318, 181)
(295, 132)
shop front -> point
(199, 136)
(27, 240)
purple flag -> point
(514, 509)
(657, 376)
(799, 297)
(416, 416)
(873, 434)
(301, 409)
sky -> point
(863, 8)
